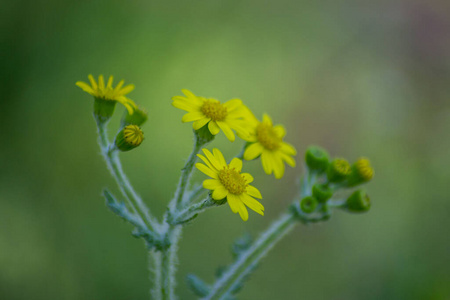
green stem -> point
(190, 212)
(115, 167)
(246, 262)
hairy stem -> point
(115, 167)
(246, 262)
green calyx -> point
(322, 192)
(308, 204)
(317, 159)
(203, 135)
(138, 117)
(338, 170)
(359, 201)
(103, 109)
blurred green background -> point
(357, 77)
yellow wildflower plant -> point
(100, 91)
(227, 116)
(228, 181)
(267, 141)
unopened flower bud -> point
(359, 201)
(308, 204)
(103, 109)
(362, 172)
(317, 159)
(138, 117)
(129, 138)
(338, 170)
(321, 192)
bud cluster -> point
(327, 176)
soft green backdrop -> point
(358, 77)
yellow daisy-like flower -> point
(226, 116)
(228, 181)
(107, 92)
(267, 142)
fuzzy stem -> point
(246, 262)
(189, 212)
(115, 167)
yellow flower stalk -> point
(217, 116)
(267, 141)
(117, 94)
(228, 181)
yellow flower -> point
(109, 93)
(227, 117)
(228, 181)
(267, 142)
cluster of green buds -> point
(327, 176)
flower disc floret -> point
(133, 135)
(227, 117)
(267, 142)
(214, 110)
(228, 182)
(364, 168)
(233, 181)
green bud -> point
(359, 201)
(322, 192)
(203, 135)
(362, 172)
(138, 117)
(308, 204)
(130, 137)
(104, 109)
(338, 170)
(317, 159)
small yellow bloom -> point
(107, 92)
(267, 142)
(228, 181)
(202, 111)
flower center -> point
(342, 166)
(267, 137)
(133, 135)
(364, 168)
(214, 110)
(232, 181)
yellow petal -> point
(119, 86)
(253, 151)
(242, 210)
(126, 90)
(288, 149)
(192, 97)
(288, 159)
(219, 156)
(212, 184)
(184, 105)
(212, 159)
(232, 104)
(192, 116)
(236, 163)
(247, 177)
(267, 119)
(254, 192)
(226, 130)
(93, 83)
(85, 87)
(219, 193)
(280, 131)
(266, 162)
(101, 83)
(204, 169)
(213, 128)
(253, 204)
(233, 202)
(206, 161)
(110, 82)
(278, 166)
(200, 123)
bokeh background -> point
(357, 77)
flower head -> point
(228, 181)
(100, 91)
(217, 116)
(130, 137)
(267, 141)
